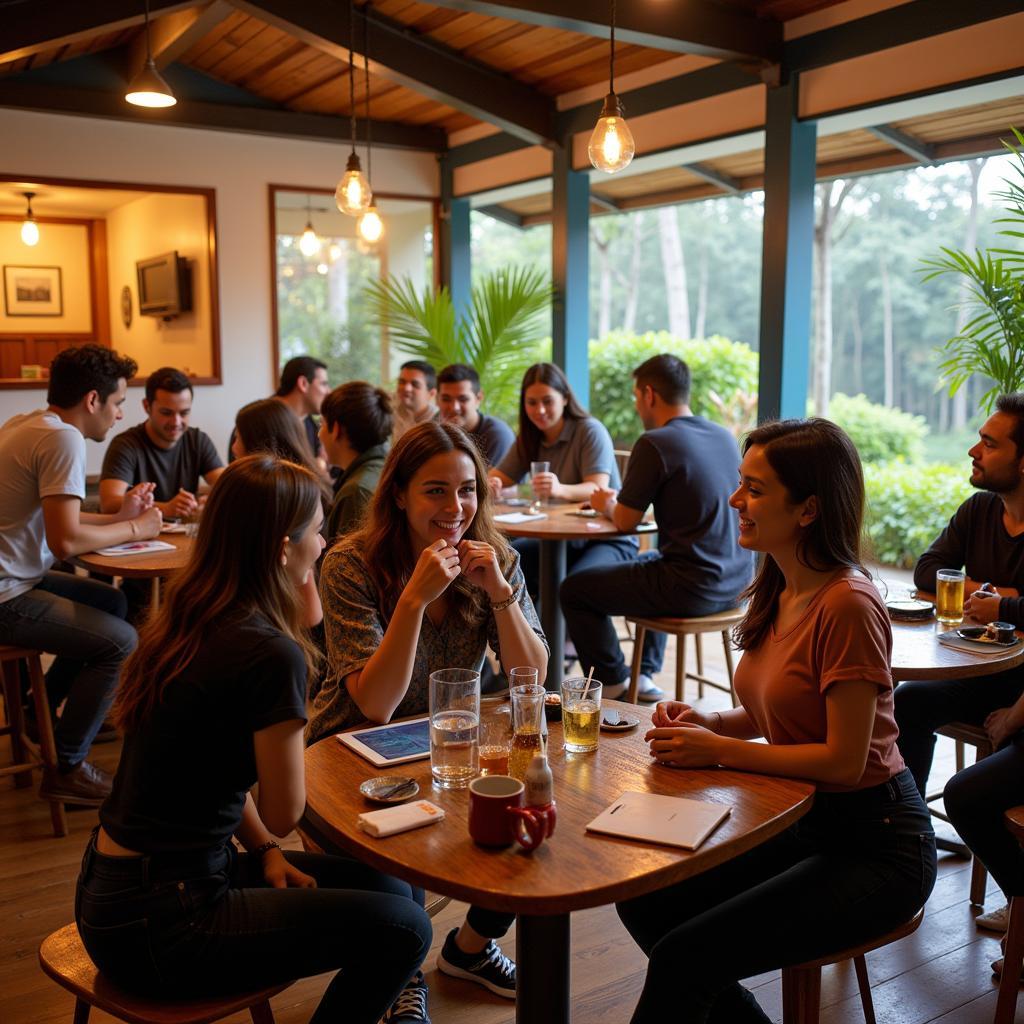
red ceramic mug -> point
(497, 816)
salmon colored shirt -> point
(843, 634)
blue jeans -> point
(647, 585)
(857, 865)
(206, 923)
(82, 622)
(976, 799)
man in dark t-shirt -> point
(458, 397)
(162, 450)
(687, 467)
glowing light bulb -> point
(30, 232)
(148, 88)
(611, 145)
(370, 225)
(353, 194)
(322, 268)
(309, 244)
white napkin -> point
(519, 517)
(391, 820)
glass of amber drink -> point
(581, 713)
(949, 596)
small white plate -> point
(372, 788)
(625, 723)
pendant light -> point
(611, 145)
(29, 227)
(148, 88)
(353, 192)
(370, 225)
(309, 242)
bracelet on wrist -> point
(498, 606)
(718, 722)
(264, 848)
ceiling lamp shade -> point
(353, 194)
(148, 88)
(29, 227)
(611, 145)
(370, 225)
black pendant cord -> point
(149, 52)
(611, 54)
(352, 70)
(366, 71)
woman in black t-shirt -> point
(212, 702)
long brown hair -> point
(810, 457)
(529, 439)
(384, 542)
(270, 426)
(235, 566)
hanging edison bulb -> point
(353, 192)
(309, 244)
(370, 225)
(29, 227)
(611, 145)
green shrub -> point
(716, 365)
(908, 506)
(880, 433)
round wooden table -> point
(148, 565)
(917, 654)
(573, 870)
(560, 525)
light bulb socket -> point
(353, 163)
(612, 106)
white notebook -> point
(652, 818)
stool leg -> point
(700, 664)
(727, 648)
(681, 666)
(959, 755)
(979, 879)
(16, 721)
(261, 1013)
(1009, 983)
(801, 995)
(864, 984)
(82, 1009)
(47, 744)
(638, 653)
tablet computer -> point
(384, 745)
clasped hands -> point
(138, 504)
(682, 737)
(441, 562)
(983, 604)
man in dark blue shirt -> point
(458, 397)
(687, 467)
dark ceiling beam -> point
(905, 23)
(251, 120)
(725, 182)
(497, 212)
(483, 149)
(922, 152)
(173, 34)
(694, 26)
(404, 56)
(30, 28)
(604, 202)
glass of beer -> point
(495, 735)
(527, 717)
(581, 713)
(949, 596)
(454, 727)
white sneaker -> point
(616, 691)
(647, 691)
(995, 920)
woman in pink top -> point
(814, 681)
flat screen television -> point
(165, 285)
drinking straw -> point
(586, 685)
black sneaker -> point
(411, 1005)
(490, 967)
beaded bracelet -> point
(500, 606)
(264, 848)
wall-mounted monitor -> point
(165, 285)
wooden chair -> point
(63, 957)
(720, 622)
(1013, 955)
(976, 736)
(27, 755)
(801, 984)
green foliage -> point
(907, 507)
(496, 336)
(879, 433)
(992, 341)
(717, 365)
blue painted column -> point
(787, 257)
(570, 271)
(455, 243)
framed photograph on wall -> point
(33, 291)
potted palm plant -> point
(991, 341)
(497, 334)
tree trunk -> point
(604, 288)
(970, 244)
(674, 269)
(633, 282)
(702, 293)
(858, 349)
(887, 339)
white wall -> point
(239, 167)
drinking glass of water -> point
(535, 468)
(454, 727)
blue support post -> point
(454, 243)
(787, 256)
(570, 273)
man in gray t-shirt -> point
(458, 397)
(81, 621)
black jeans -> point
(975, 800)
(921, 707)
(857, 865)
(647, 585)
(206, 923)
(82, 622)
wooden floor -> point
(941, 973)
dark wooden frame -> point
(25, 266)
(97, 229)
(272, 190)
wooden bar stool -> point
(1013, 955)
(801, 984)
(28, 755)
(63, 957)
(977, 737)
(720, 622)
